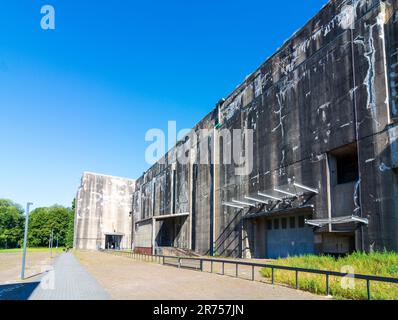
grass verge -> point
(381, 264)
(19, 250)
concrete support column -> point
(191, 199)
(153, 235)
(216, 189)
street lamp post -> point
(50, 242)
(25, 239)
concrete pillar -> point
(191, 199)
(153, 235)
(216, 187)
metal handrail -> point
(367, 278)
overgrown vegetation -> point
(42, 222)
(380, 264)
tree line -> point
(42, 221)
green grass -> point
(59, 249)
(380, 264)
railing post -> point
(368, 289)
(273, 276)
(201, 265)
(211, 266)
(297, 285)
(236, 270)
(179, 262)
(252, 273)
(327, 285)
(223, 269)
(163, 260)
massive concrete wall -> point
(103, 206)
(327, 87)
(331, 85)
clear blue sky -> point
(81, 97)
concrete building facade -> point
(103, 212)
(319, 118)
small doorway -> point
(112, 242)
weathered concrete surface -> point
(138, 280)
(329, 91)
(103, 206)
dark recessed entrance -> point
(113, 241)
(169, 234)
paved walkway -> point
(125, 278)
(68, 281)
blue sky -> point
(81, 97)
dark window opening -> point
(347, 169)
(269, 224)
(292, 222)
(284, 223)
(301, 222)
(276, 224)
(345, 165)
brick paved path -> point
(68, 281)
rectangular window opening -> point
(292, 222)
(301, 222)
(344, 165)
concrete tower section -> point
(103, 212)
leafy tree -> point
(11, 224)
(71, 226)
(44, 220)
(41, 222)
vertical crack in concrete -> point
(356, 197)
(369, 54)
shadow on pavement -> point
(17, 291)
